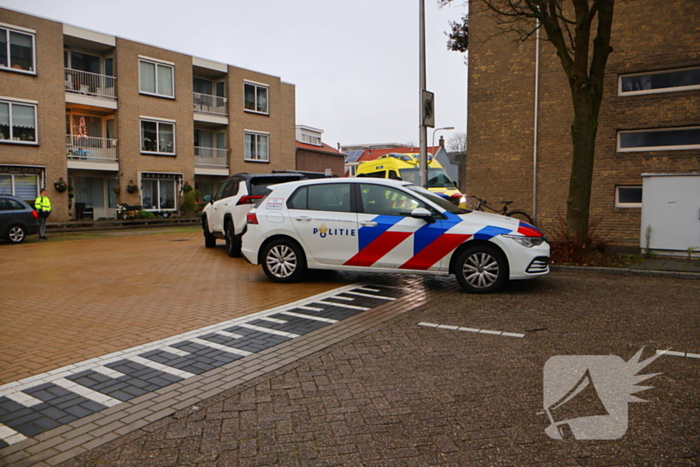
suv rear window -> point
(258, 185)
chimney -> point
(442, 142)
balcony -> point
(90, 84)
(210, 157)
(209, 104)
(91, 149)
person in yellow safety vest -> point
(43, 207)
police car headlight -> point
(463, 200)
(527, 242)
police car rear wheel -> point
(481, 269)
(283, 261)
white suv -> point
(379, 225)
(225, 213)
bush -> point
(190, 203)
(146, 215)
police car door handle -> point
(369, 223)
(302, 218)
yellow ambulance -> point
(400, 166)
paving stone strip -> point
(56, 415)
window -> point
(628, 197)
(255, 97)
(16, 50)
(158, 192)
(315, 140)
(377, 199)
(24, 186)
(660, 81)
(332, 197)
(156, 78)
(157, 137)
(17, 122)
(256, 147)
(658, 140)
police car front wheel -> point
(284, 261)
(481, 269)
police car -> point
(379, 225)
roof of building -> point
(326, 149)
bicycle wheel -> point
(520, 215)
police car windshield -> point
(437, 177)
(437, 199)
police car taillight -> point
(251, 218)
(249, 199)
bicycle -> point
(515, 213)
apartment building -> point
(520, 114)
(121, 122)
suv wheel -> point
(209, 239)
(16, 234)
(481, 269)
(233, 241)
(284, 261)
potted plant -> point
(116, 190)
(60, 185)
(131, 188)
(71, 193)
(186, 188)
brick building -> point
(313, 155)
(128, 123)
(519, 115)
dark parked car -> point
(17, 219)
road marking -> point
(352, 307)
(309, 317)
(160, 367)
(475, 330)
(310, 308)
(369, 295)
(174, 351)
(9, 435)
(268, 330)
(24, 399)
(229, 334)
(673, 353)
(273, 320)
(87, 393)
(109, 372)
(216, 346)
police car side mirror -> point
(422, 213)
(206, 199)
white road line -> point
(174, 351)
(674, 353)
(347, 299)
(369, 295)
(367, 289)
(310, 308)
(87, 393)
(229, 334)
(161, 367)
(273, 320)
(9, 435)
(267, 330)
(479, 331)
(24, 399)
(216, 346)
(103, 370)
(311, 317)
(342, 305)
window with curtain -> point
(24, 186)
(256, 147)
(158, 194)
(16, 50)
(157, 137)
(17, 122)
(255, 98)
(156, 78)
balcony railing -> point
(91, 84)
(88, 148)
(206, 103)
(209, 157)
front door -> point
(325, 221)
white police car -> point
(380, 225)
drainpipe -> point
(536, 123)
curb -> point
(630, 272)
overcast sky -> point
(354, 63)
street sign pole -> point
(423, 133)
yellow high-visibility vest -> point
(42, 203)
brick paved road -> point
(403, 394)
(377, 388)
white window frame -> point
(158, 122)
(619, 204)
(156, 64)
(158, 180)
(25, 103)
(656, 148)
(620, 92)
(256, 86)
(257, 134)
(27, 32)
(13, 183)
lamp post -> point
(443, 128)
(423, 129)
